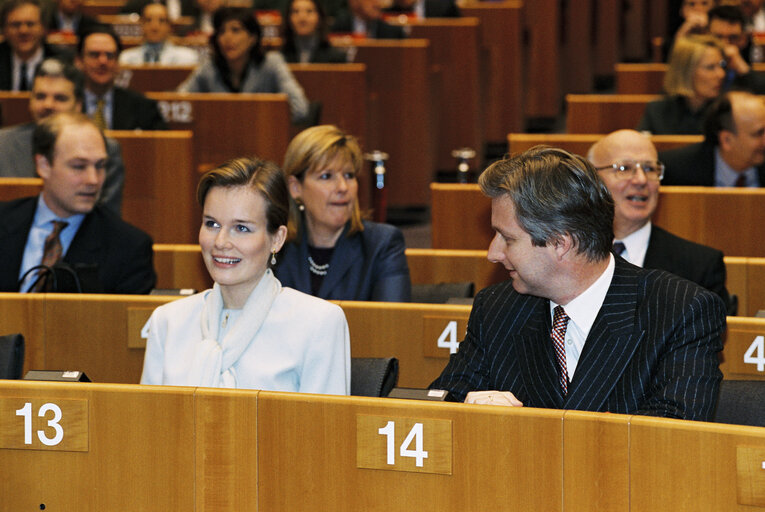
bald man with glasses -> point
(627, 162)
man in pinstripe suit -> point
(633, 341)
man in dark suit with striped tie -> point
(576, 327)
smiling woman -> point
(242, 333)
(239, 64)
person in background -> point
(694, 78)
(157, 47)
(628, 164)
(24, 47)
(240, 65)
(57, 87)
(68, 18)
(364, 19)
(695, 17)
(331, 252)
(733, 151)
(305, 34)
(65, 224)
(112, 107)
(424, 8)
(248, 331)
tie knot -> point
(559, 316)
(619, 248)
(59, 225)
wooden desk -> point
(646, 78)
(15, 188)
(153, 78)
(160, 184)
(15, 105)
(455, 90)
(543, 91)
(604, 113)
(461, 217)
(580, 144)
(342, 91)
(229, 125)
(501, 65)
(399, 114)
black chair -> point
(441, 293)
(373, 376)
(741, 402)
(11, 356)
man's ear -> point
(725, 138)
(43, 166)
(563, 245)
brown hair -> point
(261, 175)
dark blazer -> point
(370, 265)
(6, 61)
(84, 23)
(695, 262)
(671, 115)
(132, 110)
(433, 9)
(694, 165)
(123, 253)
(652, 350)
(378, 29)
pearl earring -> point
(273, 257)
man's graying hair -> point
(554, 193)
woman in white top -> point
(247, 331)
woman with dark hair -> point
(247, 331)
(240, 65)
(305, 34)
(331, 251)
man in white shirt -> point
(627, 162)
(157, 47)
(575, 327)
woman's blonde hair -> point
(312, 149)
(683, 61)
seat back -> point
(373, 376)
(11, 356)
(741, 402)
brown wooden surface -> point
(677, 465)
(399, 115)
(160, 184)
(739, 338)
(455, 90)
(342, 91)
(297, 434)
(15, 107)
(15, 188)
(230, 125)
(597, 445)
(608, 18)
(501, 61)
(646, 78)
(98, 7)
(461, 217)
(636, 42)
(543, 90)
(140, 454)
(25, 313)
(180, 266)
(580, 143)
(604, 113)
(578, 53)
(153, 78)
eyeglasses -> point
(626, 169)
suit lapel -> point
(14, 231)
(539, 368)
(610, 345)
(86, 244)
(347, 252)
(656, 248)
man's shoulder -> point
(131, 96)
(683, 152)
(678, 244)
(114, 227)
(16, 204)
(17, 132)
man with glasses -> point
(110, 107)
(628, 164)
(733, 151)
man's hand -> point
(505, 398)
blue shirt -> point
(725, 176)
(42, 226)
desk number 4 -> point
(448, 338)
(415, 435)
(755, 354)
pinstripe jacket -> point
(653, 349)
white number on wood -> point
(26, 412)
(448, 338)
(415, 435)
(755, 354)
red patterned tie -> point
(558, 335)
(51, 253)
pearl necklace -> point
(319, 270)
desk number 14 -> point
(414, 435)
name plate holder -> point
(44, 424)
(416, 445)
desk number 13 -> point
(414, 435)
(26, 412)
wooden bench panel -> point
(604, 113)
